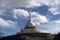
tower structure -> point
(30, 27)
(29, 23)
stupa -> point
(30, 27)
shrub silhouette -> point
(57, 37)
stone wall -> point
(28, 37)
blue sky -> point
(14, 15)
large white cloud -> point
(7, 23)
(28, 3)
(37, 19)
(19, 3)
(55, 10)
(53, 4)
(51, 27)
(55, 7)
(20, 12)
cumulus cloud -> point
(54, 5)
(19, 3)
(7, 23)
(25, 3)
(55, 10)
(28, 3)
(51, 27)
(36, 17)
(20, 12)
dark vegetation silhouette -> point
(57, 37)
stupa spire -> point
(29, 17)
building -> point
(29, 33)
